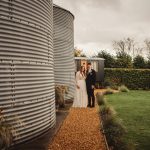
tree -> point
(148, 64)
(147, 43)
(79, 53)
(123, 60)
(127, 45)
(139, 62)
(109, 59)
(82, 55)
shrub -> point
(107, 111)
(111, 84)
(107, 83)
(139, 62)
(132, 78)
(6, 136)
(60, 91)
(123, 88)
(109, 59)
(148, 64)
(123, 60)
(108, 91)
(114, 87)
(8, 131)
(114, 131)
(100, 99)
(79, 53)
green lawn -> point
(134, 109)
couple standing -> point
(85, 83)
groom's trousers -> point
(91, 97)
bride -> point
(80, 92)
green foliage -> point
(148, 63)
(132, 78)
(106, 111)
(109, 59)
(123, 60)
(107, 83)
(139, 62)
(123, 88)
(114, 129)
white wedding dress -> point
(80, 99)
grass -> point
(134, 109)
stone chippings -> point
(79, 131)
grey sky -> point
(99, 22)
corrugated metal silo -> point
(64, 49)
(26, 66)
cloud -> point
(99, 22)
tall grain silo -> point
(26, 66)
(64, 65)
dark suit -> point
(91, 80)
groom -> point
(90, 84)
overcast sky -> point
(99, 22)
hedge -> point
(132, 78)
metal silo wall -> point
(26, 66)
(64, 65)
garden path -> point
(79, 131)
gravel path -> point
(80, 131)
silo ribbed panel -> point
(26, 66)
(64, 49)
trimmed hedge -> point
(132, 78)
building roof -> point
(87, 58)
